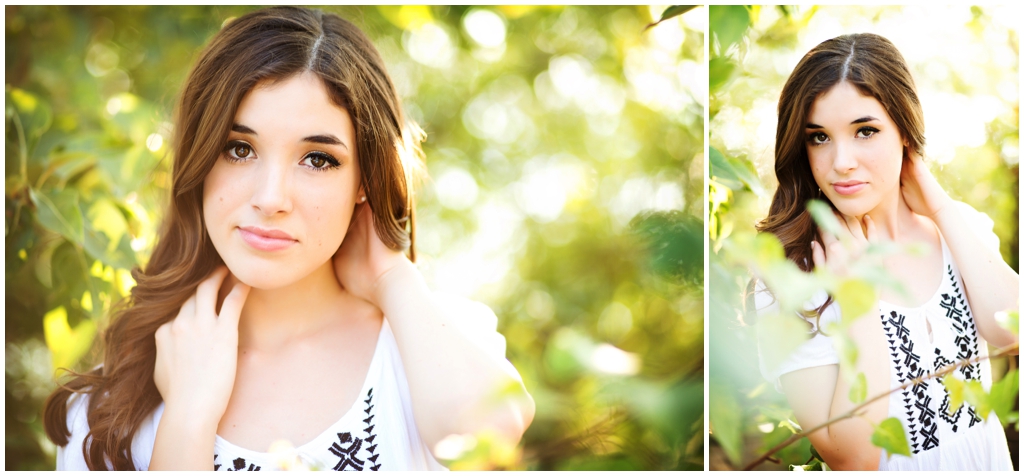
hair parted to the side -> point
(269, 45)
(872, 64)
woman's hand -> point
(836, 256)
(197, 352)
(920, 190)
(363, 259)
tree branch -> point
(855, 411)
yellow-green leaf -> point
(955, 388)
(889, 436)
(1004, 394)
(1009, 320)
(976, 395)
(824, 216)
(856, 298)
(780, 335)
(859, 388)
(66, 345)
(59, 212)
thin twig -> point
(857, 409)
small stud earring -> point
(362, 199)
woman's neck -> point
(893, 218)
(273, 318)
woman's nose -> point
(273, 191)
(845, 158)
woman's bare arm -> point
(456, 386)
(991, 285)
(818, 394)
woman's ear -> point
(361, 195)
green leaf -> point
(720, 70)
(66, 345)
(859, 388)
(725, 416)
(734, 173)
(955, 388)
(780, 335)
(889, 436)
(847, 350)
(1009, 320)
(1004, 395)
(976, 395)
(673, 11)
(856, 298)
(824, 217)
(59, 213)
(35, 115)
(728, 24)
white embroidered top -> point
(938, 440)
(377, 433)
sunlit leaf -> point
(977, 397)
(35, 115)
(726, 417)
(1009, 320)
(59, 212)
(855, 298)
(824, 217)
(672, 12)
(720, 71)
(889, 436)
(955, 388)
(1003, 395)
(66, 345)
(728, 24)
(859, 388)
(780, 335)
(734, 173)
(847, 350)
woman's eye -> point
(817, 138)
(865, 132)
(320, 161)
(241, 150)
(238, 150)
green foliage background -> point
(566, 193)
(965, 63)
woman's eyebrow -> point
(863, 120)
(811, 125)
(242, 129)
(325, 139)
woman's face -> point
(278, 201)
(855, 150)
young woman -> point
(278, 303)
(851, 133)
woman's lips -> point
(848, 188)
(266, 240)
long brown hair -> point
(272, 44)
(873, 65)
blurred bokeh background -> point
(964, 60)
(565, 168)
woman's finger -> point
(206, 293)
(872, 231)
(817, 254)
(188, 309)
(231, 310)
(854, 226)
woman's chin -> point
(265, 279)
